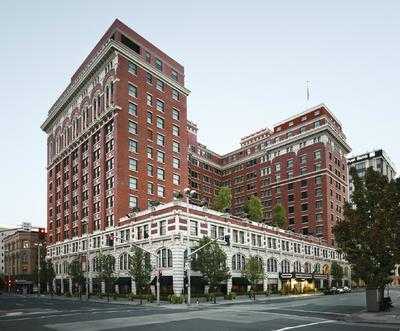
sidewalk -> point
(165, 304)
(391, 317)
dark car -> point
(332, 290)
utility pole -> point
(38, 272)
(189, 268)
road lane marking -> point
(304, 325)
(311, 311)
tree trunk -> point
(372, 299)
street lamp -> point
(38, 272)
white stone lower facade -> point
(292, 262)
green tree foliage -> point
(105, 268)
(336, 272)
(77, 274)
(222, 200)
(211, 262)
(254, 272)
(279, 216)
(254, 209)
(140, 270)
(369, 233)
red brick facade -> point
(119, 139)
(117, 136)
(301, 163)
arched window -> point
(297, 266)
(165, 258)
(124, 261)
(307, 267)
(285, 266)
(272, 265)
(317, 268)
(94, 108)
(259, 260)
(238, 262)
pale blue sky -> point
(246, 65)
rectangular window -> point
(149, 117)
(193, 228)
(147, 57)
(149, 100)
(133, 146)
(213, 231)
(175, 147)
(160, 105)
(132, 165)
(150, 188)
(175, 95)
(132, 90)
(160, 85)
(149, 170)
(160, 191)
(174, 75)
(132, 109)
(149, 152)
(163, 228)
(160, 157)
(160, 140)
(133, 202)
(176, 163)
(317, 155)
(132, 128)
(160, 174)
(175, 130)
(149, 78)
(133, 183)
(175, 114)
(158, 64)
(176, 179)
(160, 122)
(132, 68)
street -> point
(308, 313)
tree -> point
(254, 209)
(76, 273)
(336, 272)
(369, 233)
(140, 270)
(254, 272)
(48, 274)
(279, 216)
(222, 200)
(105, 268)
(211, 262)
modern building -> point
(300, 163)
(116, 137)
(291, 261)
(21, 256)
(377, 159)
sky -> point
(246, 63)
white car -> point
(340, 290)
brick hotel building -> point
(300, 163)
(118, 138)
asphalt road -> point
(315, 313)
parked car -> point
(340, 290)
(347, 289)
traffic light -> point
(42, 233)
(227, 239)
(110, 240)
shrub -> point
(150, 297)
(230, 296)
(175, 299)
